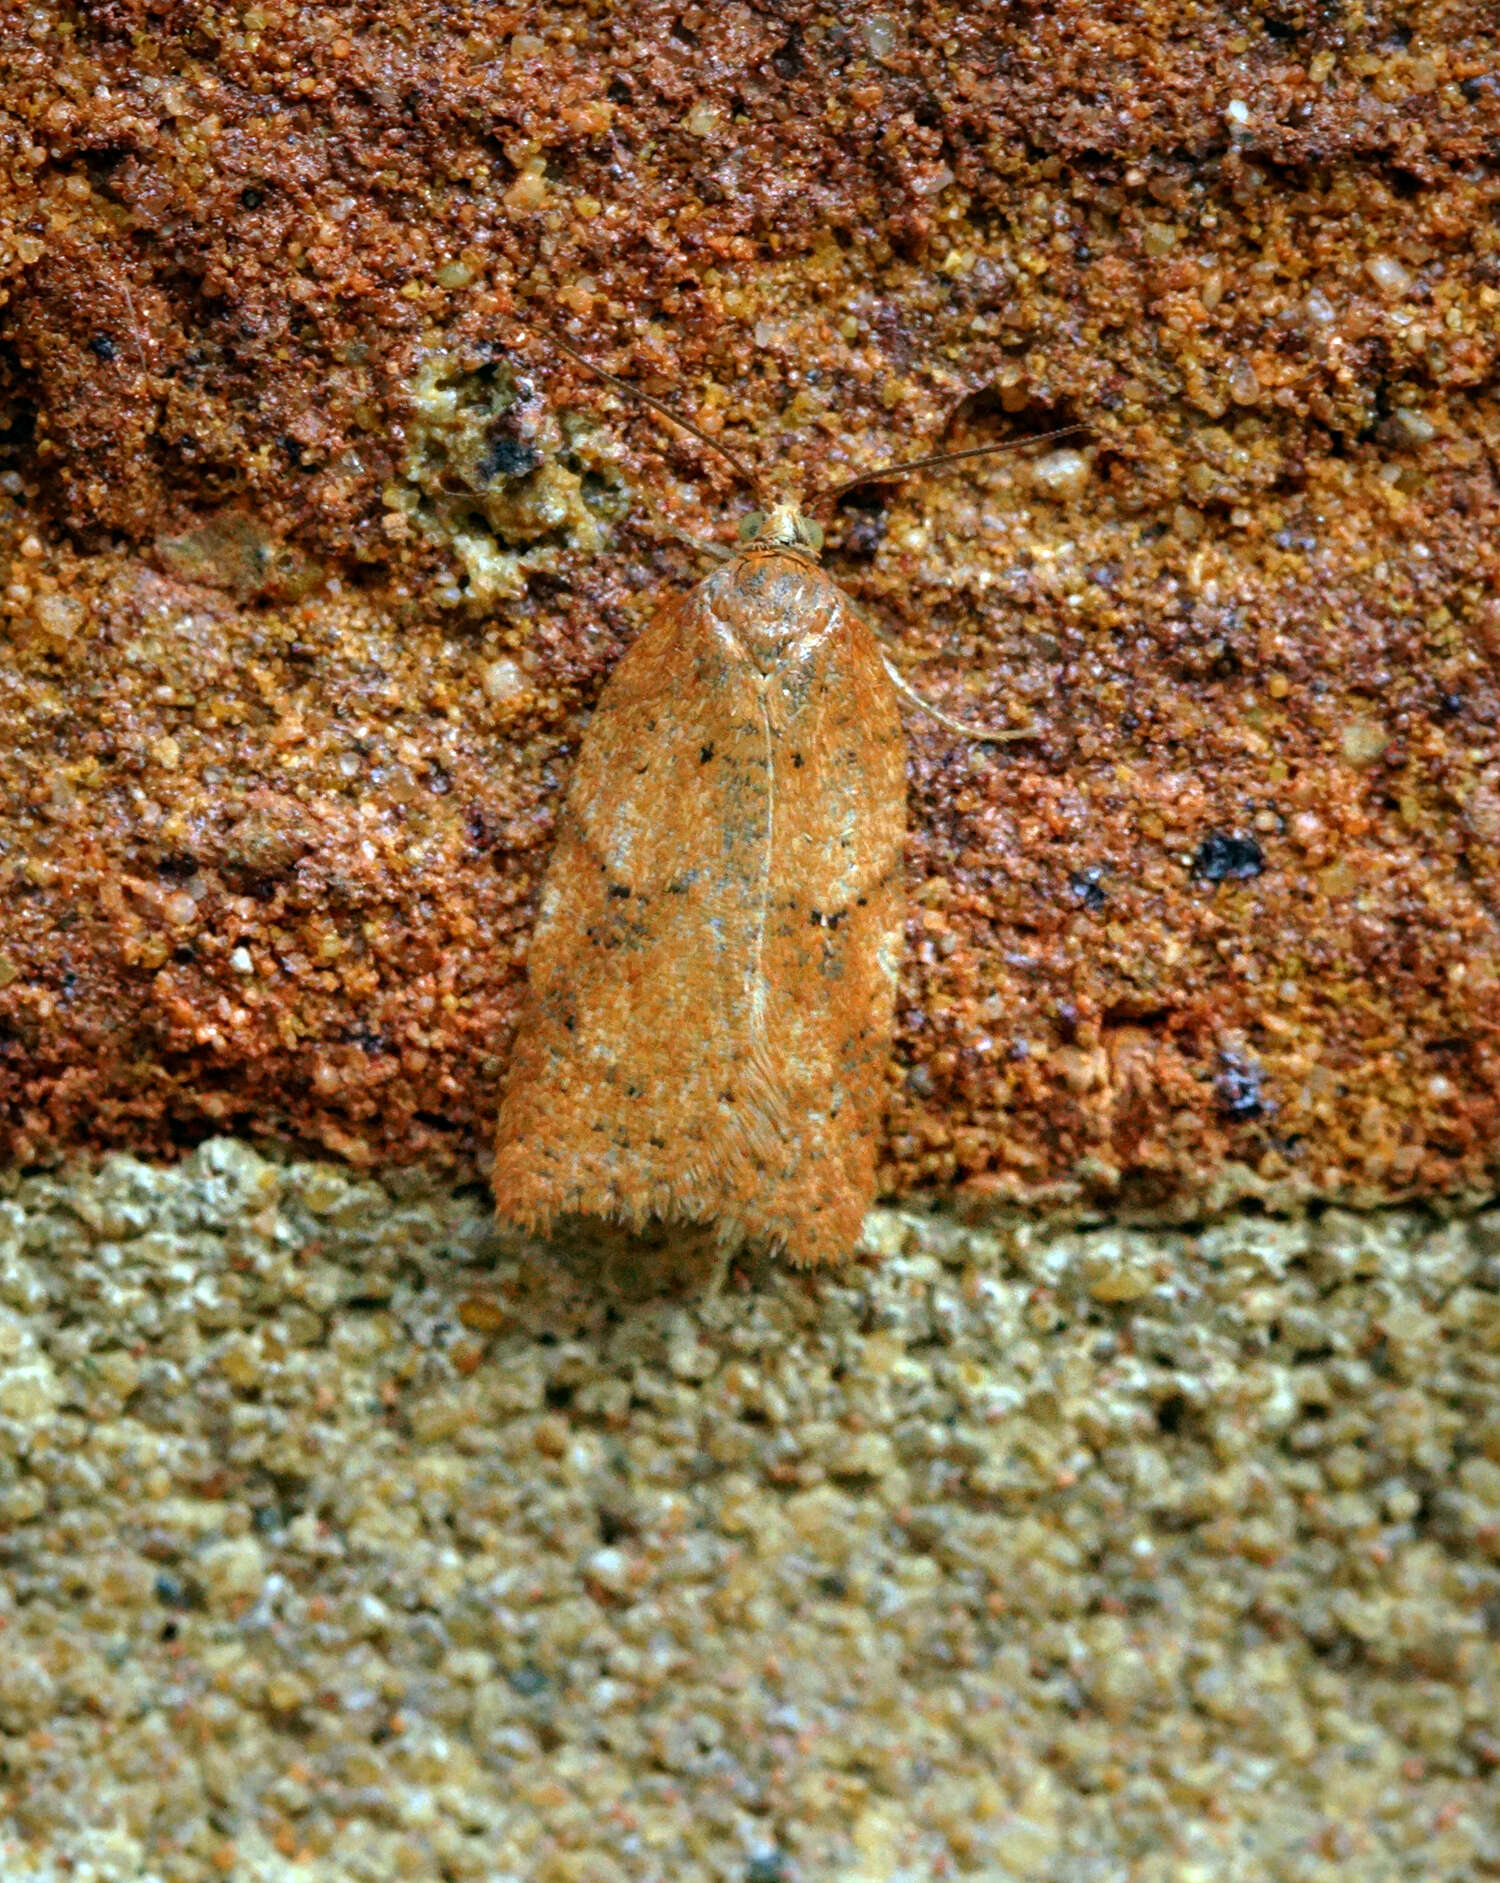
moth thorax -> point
(773, 600)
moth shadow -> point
(616, 1267)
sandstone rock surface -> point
(315, 551)
(341, 1545)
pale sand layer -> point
(332, 1548)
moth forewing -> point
(707, 1026)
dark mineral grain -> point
(314, 551)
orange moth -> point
(706, 1032)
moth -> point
(706, 1032)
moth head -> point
(783, 526)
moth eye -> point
(750, 525)
(810, 532)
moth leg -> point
(715, 552)
(909, 692)
(724, 1257)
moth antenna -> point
(908, 692)
(743, 471)
(941, 457)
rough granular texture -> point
(315, 549)
(340, 1545)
